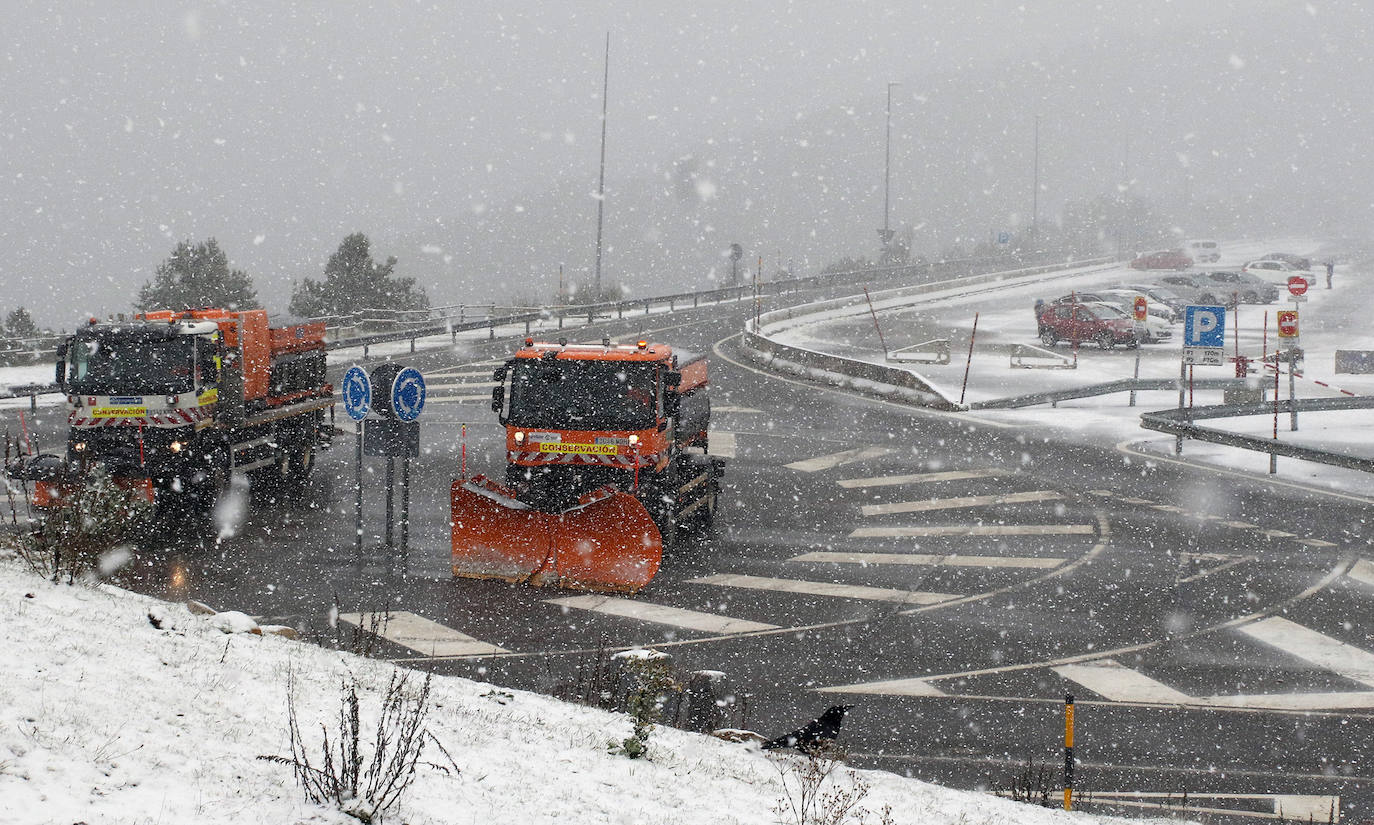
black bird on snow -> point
(814, 735)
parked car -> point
(1157, 294)
(1162, 259)
(1150, 331)
(1085, 322)
(1204, 252)
(1251, 289)
(1196, 290)
(1125, 298)
(1298, 261)
(1277, 272)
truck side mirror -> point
(672, 379)
(672, 405)
(498, 392)
(61, 379)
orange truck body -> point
(178, 400)
(590, 507)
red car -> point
(1163, 259)
(1085, 322)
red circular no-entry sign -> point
(1297, 285)
(1288, 323)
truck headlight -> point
(519, 437)
(79, 447)
(634, 439)
(175, 446)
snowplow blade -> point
(607, 542)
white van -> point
(1203, 252)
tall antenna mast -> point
(601, 183)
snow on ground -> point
(105, 717)
(1330, 320)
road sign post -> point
(1288, 339)
(357, 397)
(397, 435)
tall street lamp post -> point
(885, 233)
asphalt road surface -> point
(954, 578)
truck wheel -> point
(211, 487)
(659, 496)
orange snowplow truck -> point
(606, 464)
(173, 403)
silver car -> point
(1198, 290)
(1248, 288)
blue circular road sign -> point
(357, 393)
(408, 394)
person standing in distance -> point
(1330, 270)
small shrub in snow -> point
(816, 792)
(343, 773)
(83, 536)
(650, 678)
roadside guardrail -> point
(1179, 422)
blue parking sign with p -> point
(1204, 326)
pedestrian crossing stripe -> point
(1115, 682)
(461, 385)
(810, 588)
(933, 530)
(1363, 572)
(961, 502)
(457, 399)
(1286, 807)
(921, 478)
(660, 614)
(931, 560)
(826, 462)
(724, 409)
(722, 443)
(1323, 651)
(420, 634)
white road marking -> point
(975, 530)
(926, 559)
(1323, 651)
(1295, 807)
(1118, 683)
(1363, 572)
(463, 371)
(1316, 543)
(661, 614)
(461, 385)
(420, 634)
(825, 462)
(1345, 700)
(848, 591)
(891, 687)
(457, 399)
(725, 409)
(920, 478)
(954, 503)
(722, 443)
(1219, 562)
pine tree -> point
(197, 276)
(353, 281)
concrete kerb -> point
(892, 383)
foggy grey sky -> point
(470, 130)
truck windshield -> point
(114, 363)
(583, 395)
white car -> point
(1125, 298)
(1152, 330)
(1278, 272)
